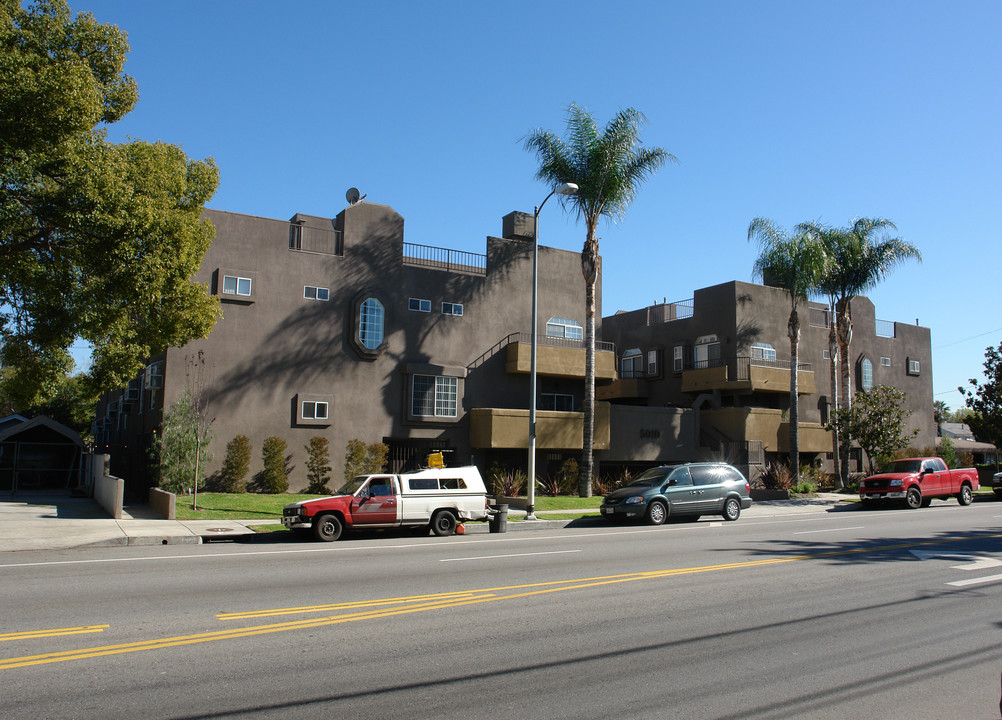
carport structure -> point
(38, 455)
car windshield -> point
(352, 485)
(651, 477)
(903, 466)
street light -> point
(530, 507)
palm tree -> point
(860, 257)
(608, 166)
(796, 264)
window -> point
(707, 351)
(316, 293)
(866, 374)
(632, 364)
(763, 351)
(652, 363)
(434, 396)
(452, 308)
(370, 324)
(556, 401)
(564, 328)
(885, 362)
(314, 410)
(914, 367)
(826, 354)
(419, 305)
(678, 353)
(154, 377)
(233, 285)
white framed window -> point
(652, 363)
(826, 354)
(678, 355)
(707, 351)
(154, 376)
(556, 401)
(885, 362)
(763, 351)
(314, 410)
(370, 323)
(449, 308)
(564, 328)
(316, 293)
(434, 396)
(914, 367)
(632, 364)
(419, 305)
(866, 374)
(235, 285)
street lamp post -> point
(530, 507)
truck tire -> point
(327, 528)
(998, 493)
(913, 500)
(966, 495)
(443, 523)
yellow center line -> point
(423, 603)
(55, 632)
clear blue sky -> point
(790, 110)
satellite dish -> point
(352, 196)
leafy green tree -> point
(236, 464)
(795, 263)
(275, 478)
(318, 468)
(98, 240)
(984, 399)
(860, 256)
(183, 442)
(948, 451)
(362, 458)
(608, 166)
(73, 404)
(877, 422)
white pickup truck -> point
(436, 497)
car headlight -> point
(896, 483)
(636, 499)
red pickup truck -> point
(917, 481)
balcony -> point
(746, 374)
(623, 388)
(509, 428)
(767, 426)
(436, 258)
(559, 357)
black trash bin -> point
(499, 520)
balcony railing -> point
(738, 368)
(316, 240)
(885, 328)
(445, 259)
(564, 342)
(667, 312)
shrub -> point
(318, 469)
(814, 475)
(275, 478)
(236, 465)
(776, 476)
(948, 452)
(505, 481)
(364, 458)
(804, 487)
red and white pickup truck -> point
(917, 481)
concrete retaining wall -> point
(163, 503)
(108, 489)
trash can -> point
(499, 520)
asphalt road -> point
(858, 614)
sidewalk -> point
(61, 523)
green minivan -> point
(689, 490)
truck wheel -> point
(443, 523)
(732, 509)
(965, 496)
(913, 500)
(926, 501)
(657, 513)
(998, 493)
(327, 528)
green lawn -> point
(222, 506)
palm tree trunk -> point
(833, 356)
(844, 337)
(589, 267)
(793, 330)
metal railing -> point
(885, 328)
(667, 312)
(541, 340)
(818, 317)
(445, 259)
(315, 240)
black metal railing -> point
(316, 240)
(445, 259)
(667, 312)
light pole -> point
(530, 506)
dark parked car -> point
(688, 491)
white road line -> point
(510, 555)
(976, 581)
(811, 532)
